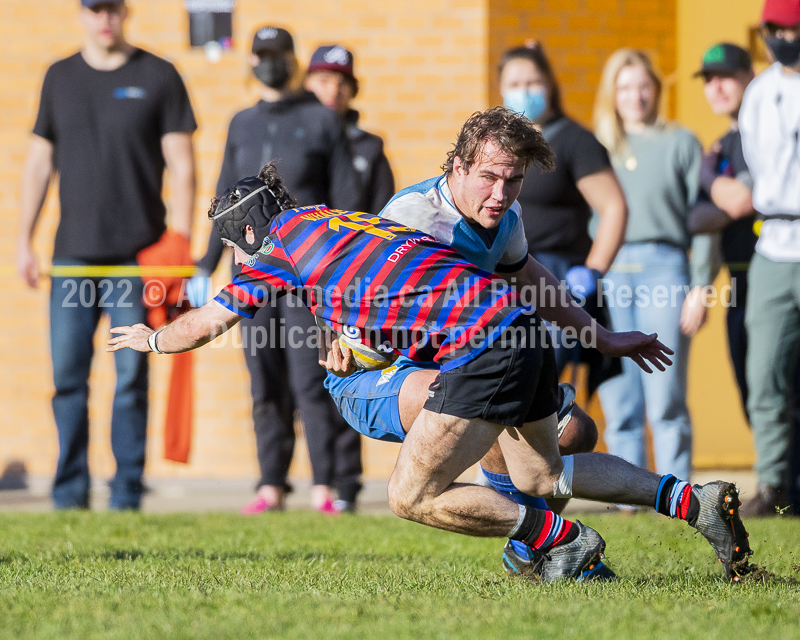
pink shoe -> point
(259, 505)
(328, 508)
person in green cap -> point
(725, 203)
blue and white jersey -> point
(428, 207)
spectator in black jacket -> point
(330, 77)
(309, 145)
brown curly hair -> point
(510, 131)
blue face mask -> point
(532, 103)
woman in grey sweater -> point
(658, 166)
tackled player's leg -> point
(468, 407)
(423, 488)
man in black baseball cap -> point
(115, 101)
(725, 202)
(309, 141)
(273, 58)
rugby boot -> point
(719, 522)
(581, 559)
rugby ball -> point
(365, 357)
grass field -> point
(302, 575)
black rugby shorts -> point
(512, 382)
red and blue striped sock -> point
(543, 530)
(555, 530)
(675, 499)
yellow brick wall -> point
(579, 35)
(421, 66)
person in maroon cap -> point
(330, 77)
(309, 145)
(769, 121)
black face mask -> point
(272, 71)
(785, 52)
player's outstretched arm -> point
(189, 331)
(558, 306)
(637, 346)
(553, 302)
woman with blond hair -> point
(658, 166)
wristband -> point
(152, 342)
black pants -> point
(284, 377)
(737, 334)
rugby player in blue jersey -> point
(402, 289)
(478, 215)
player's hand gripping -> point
(335, 357)
(638, 347)
(134, 337)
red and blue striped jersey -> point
(393, 287)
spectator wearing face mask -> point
(557, 206)
(769, 121)
(330, 77)
(309, 145)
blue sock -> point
(501, 482)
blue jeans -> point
(76, 305)
(645, 290)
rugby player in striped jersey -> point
(405, 291)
